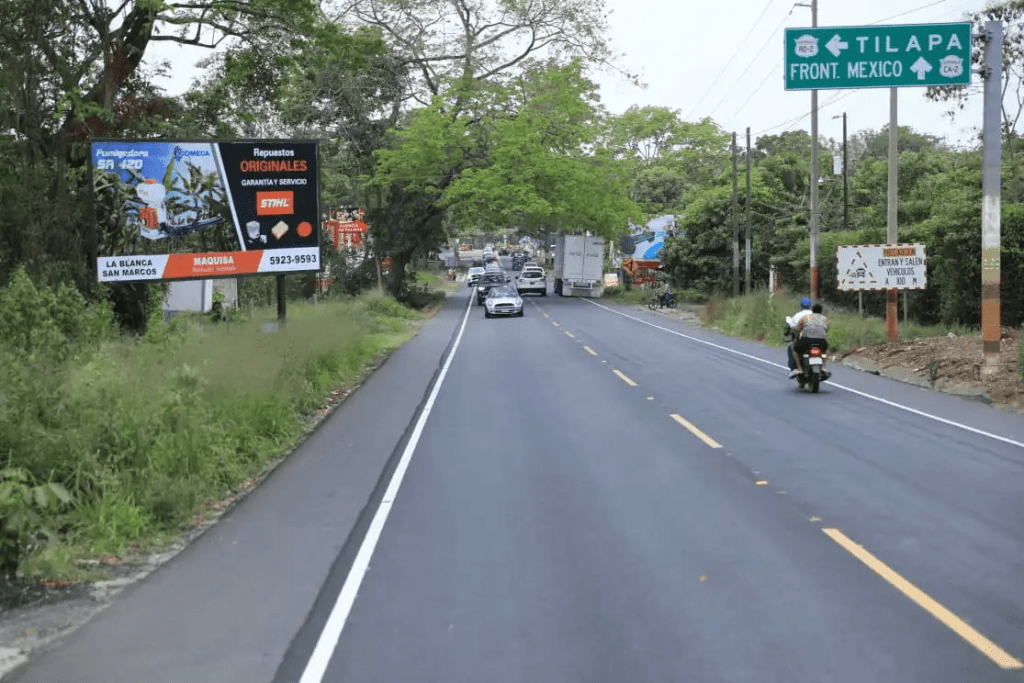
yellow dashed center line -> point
(955, 623)
(624, 378)
(555, 324)
(570, 334)
(589, 350)
(696, 432)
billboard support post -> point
(280, 299)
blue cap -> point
(805, 302)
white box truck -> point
(579, 265)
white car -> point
(532, 280)
(473, 275)
(503, 301)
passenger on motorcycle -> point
(805, 310)
(812, 330)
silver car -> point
(503, 301)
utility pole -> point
(846, 180)
(991, 177)
(846, 203)
(735, 228)
(815, 175)
(891, 234)
(747, 280)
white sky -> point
(724, 59)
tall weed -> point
(143, 431)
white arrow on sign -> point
(921, 67)
(836, 45)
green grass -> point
(762, 317)
(147, 433)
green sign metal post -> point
(848, 57)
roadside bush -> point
(145, 432)
(22, 526)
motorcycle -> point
(661, 301)
(812, 363)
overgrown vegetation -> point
(107, 441)
(762, 316)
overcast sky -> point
(724, 59)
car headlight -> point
(481, 289)
(519, 302)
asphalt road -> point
(593, 493)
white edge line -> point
(328, 640)
(887, 402)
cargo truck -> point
(579, 265)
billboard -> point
(178, 210)
(347, 227)
(645, 242)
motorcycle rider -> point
(812, 330)
(665, 294)
(805, 310)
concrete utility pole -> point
(892, 295)
(815, 176)
(735, 228)
(991, 331)
(747, 252)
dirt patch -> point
(952, 361)
(951, 364)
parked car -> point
(486, 283)
(532, 280)
(503, 301)
(473, 275)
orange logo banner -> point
(275, 203)
(181, 266)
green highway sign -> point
(841, 57)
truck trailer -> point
(579, 265)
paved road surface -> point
(602, 494)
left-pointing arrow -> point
(836, 45)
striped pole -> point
(991, 197)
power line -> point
(752, 61)
(834, 100)
(735, 52)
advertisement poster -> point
(645, 242)
(347, 227)
(176, 210)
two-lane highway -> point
(596, 493)
(559, 521)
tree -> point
(485, 40)
(1011, 13)
(670, 157)
(491, 155)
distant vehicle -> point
(531, 264)
(518, 261)
(579, 265)
(532, 280)
(503, 252)
(486, 283)
(503, 301)
(473, 275)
